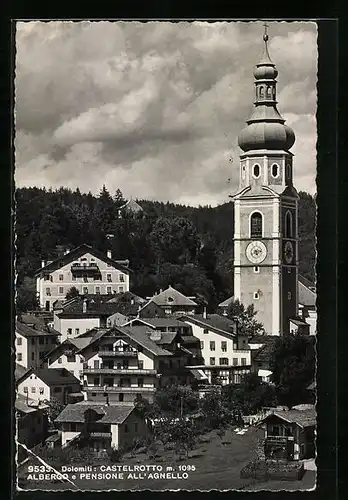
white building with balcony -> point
(226, 354)
(86, 269)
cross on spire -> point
(265, 36)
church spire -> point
(266, 128)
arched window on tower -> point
(275, 170)
(256, 225)
(269, 91)
(262, 92)
(288, 225)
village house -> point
(43, 384)
(101, 426)
(121, 363)
(86, 269)
(68, 355)
(131, 207)
(225, 353)
(262, 347)
(168, 302)
(33, 341)
(290, 434)
(175, 336)
(31, 423)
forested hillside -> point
(190, 248)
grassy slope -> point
(217, 468)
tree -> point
(214, 411)
(293, 365)
(26, 299)
(72, 293)
(245, 318)
(55, 407)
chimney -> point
(138, 313)
(205, 313)
(66, 251)
(109, 254)
(84, 306)
(43, 263)
(132, 301)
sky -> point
(154, 108)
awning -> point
(199, 374)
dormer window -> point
(170, 299)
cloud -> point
(154, 108)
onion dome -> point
(266, 128)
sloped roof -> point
(306, 282)
(306, 297)
(63, 260)
(28, 405)
(298, 322)
(37, 331)
(112, 414)
(95, 307)
(166, 338)
(141, 336)
(132, 206)
(160, 322)
(213, 321)
(20, 371)
(52, 376)
(226, 302)
(179, 299)
(303, 418)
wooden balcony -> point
(119, 371)
(114, 388)
(117, 353)
(90, 268)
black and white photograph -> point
(165, 255)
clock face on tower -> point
(288, 252)
(256, 252)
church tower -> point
(265, 209)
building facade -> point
(33, 342)
(84, 268)
(226, 355)
(265, 210)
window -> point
(96, 364)
(126, 428)
(135, 427)
(108, 290)
(212, 361)
(19, 356)
(256, 269)
(32, 356)
(19, 341)
(47, 277)
(262, 92)
(60, 361)
(289, 295)
(223, 361)
(243, 360)
(256, 171)
(41, 390)
(235, 361)
(48, 291)
(206, 330)
(71, 358)
(61, 277)
(141, 365)
(275, 170)
(69, 331)
(140, 382)
(120, 397)
(256, 296)
(41, 340)
(33, 390)
(97, 290)
(94, 394)
(202, 344)
(108, 277)
(269, 91)
(256, 225)
(120, 289)
(212, 345)
(288, 171)
(77, 331)
(57, 389)
(61, 290)
(224, 346)
(85, 290)
(122, 277)
(288, 225)
(25, 389)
